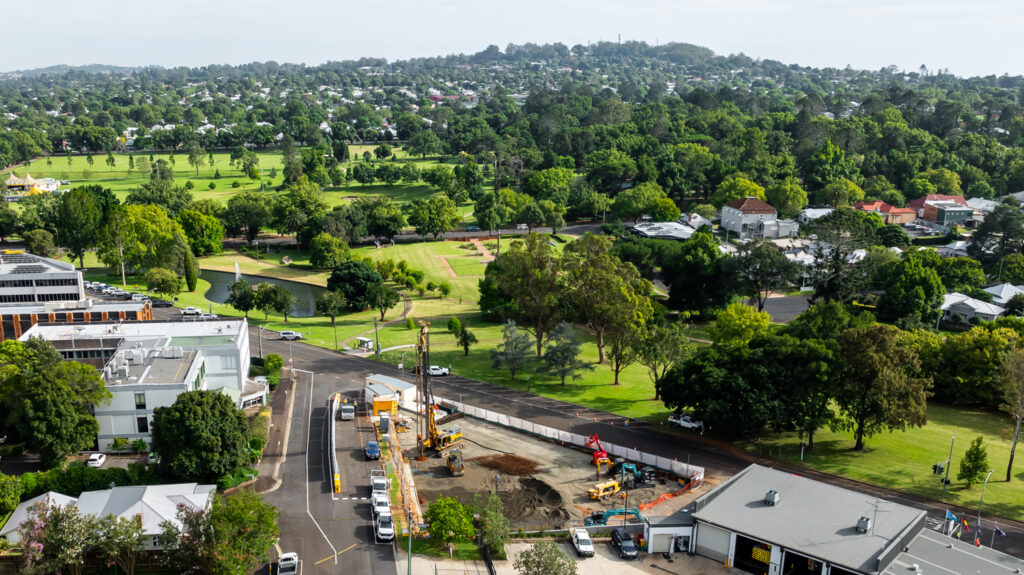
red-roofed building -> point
(889, 214)
(919, 203)
(753, 218)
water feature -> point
(305, 294)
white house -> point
(808, 215)
(749, 218)
(962, 308)
(1003, 293)
(150, 504)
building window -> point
(143, 423)
(140, 400)
(228, 362)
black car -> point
(160, 303)
(623, 542)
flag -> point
(964, 521)
(999, 531)
(950, 516)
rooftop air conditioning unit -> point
(863, 525)
(122, 371)
(771, 498)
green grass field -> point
(122, 181)
(904, 460)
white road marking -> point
(309, 438)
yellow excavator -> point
(438, 440)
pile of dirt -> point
(535, 502)
(509, 464)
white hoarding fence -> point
(631, 453)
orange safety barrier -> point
(661, 499)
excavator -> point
(600, 455)
(602, 517)
(631, 475)
(438, 440)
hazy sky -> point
(970, 37)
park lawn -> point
(122, 181)
(903, 460)
(467, 265)
(271, 265)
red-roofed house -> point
(753, 218)
(890, 214)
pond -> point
(305, 294)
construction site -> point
(542, 484)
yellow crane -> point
(429, 436)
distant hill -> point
(64, 68)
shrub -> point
(417, 275)
(236, 184)
(410, 323)
(274, 380)
(139, 445)
(212, 186)
(237, 477)
(216, 175)
(120, 443)
(422, 289)
(272, 364)
(189, 185)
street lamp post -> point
(401, 364)
(982, 502)
(949, 464)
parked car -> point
(372, 450)
(472, 228)
(139, 297)
(289, 564)
(522, 227)
(581, 542)
(96, 460)
(380, 504)
(290, 335)
(623, 542)
(385, 527)
(434, 370)
(207, 316)
(191, 311)
(160, 303)
(686, 421)
(154, 458)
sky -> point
(968, 37)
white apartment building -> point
(148, 364)
(27, 278)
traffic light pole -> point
(949, 464)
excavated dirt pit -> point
(542, 484)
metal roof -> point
(812, 518)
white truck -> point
(347, 411)
(686, 421)
(581, 542)
(378, 482)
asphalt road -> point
(783, 309)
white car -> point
(437, 371)
(686, 421)
(290, 335)
(191, 311)
(581, 542)
(380, 504)
(96, 460)
(385, 527)
(139, 297)
(289, 564)
(207, 316)
(522, 227)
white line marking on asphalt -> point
(309, 437)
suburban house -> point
(750, 218)
(956, 248)
(663, 230)
(1003, 293)
(808, 215)
(695, 221)
(147, 365)
(889, 214)
(149, 504)
(961, 308)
